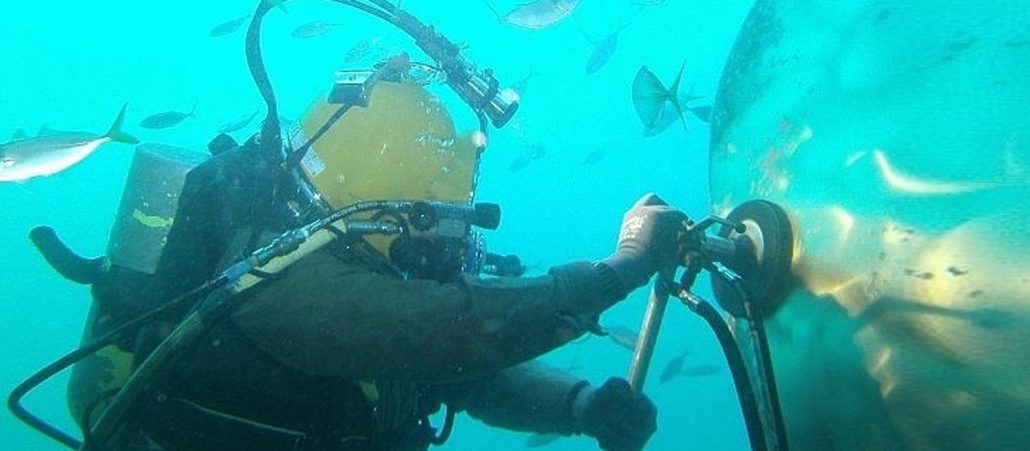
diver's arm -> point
(331, 318)
(534, 397)
(530, 397)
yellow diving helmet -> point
(381, 135)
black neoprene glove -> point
(648, 241)
(617, 416)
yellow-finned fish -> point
(49, 154)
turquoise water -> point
(71, 65)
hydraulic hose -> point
(738, 370)
(271, 133)
(33, 381)
(765, 372)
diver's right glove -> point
(648, 241)
(620, 418)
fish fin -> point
(683, 117)
(279, 4)
(116, 134)
(648, 96)
(44, 130)
(672, 93)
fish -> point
(622, 337)
(701, 370)
(165, 119)
(47, 155)
(658, 106)
(314, 29)
(360, 50)
(238, 124)
(538, 14)
(228, 27)
(594, 157)
(674, 367)
(533, 153)
(538, 440)
(603, 50)
(19, 135)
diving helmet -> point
(382, 135)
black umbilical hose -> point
(19, 392)
(271, 130)
(758, 338)
(738, 370)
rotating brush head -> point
(765, 269)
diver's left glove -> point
(620, 418)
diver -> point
(355, 346)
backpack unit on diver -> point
(127, 293)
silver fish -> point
(622, 337)
(603, 50)
(538, 14)
(46, 155)
(19, 135)
(165, 119)
(238, 124)
(538, 440)
(228, 26)
(313, 29)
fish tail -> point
(674, 89)
(679, 111)
(116, 134)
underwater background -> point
(71, 65)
